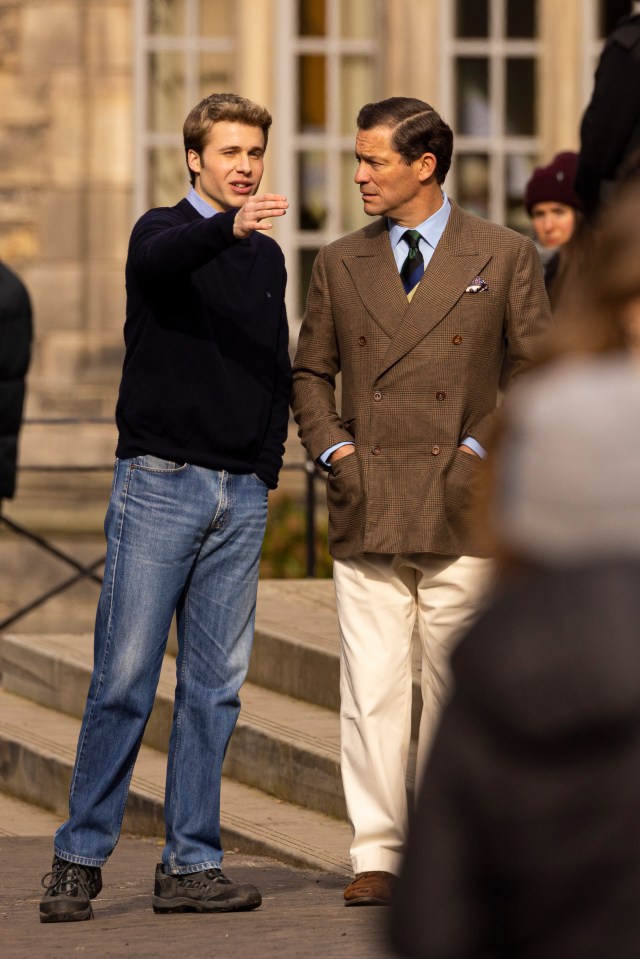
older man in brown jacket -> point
(422, 312)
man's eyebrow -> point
(237, 149)
(368, 157)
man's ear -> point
(427, 167)
(193, 161)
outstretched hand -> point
(256, 213)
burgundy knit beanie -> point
(554, 183)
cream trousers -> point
(378, 600)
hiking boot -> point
(206, 891)
(70, 888)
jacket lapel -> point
(374, 273)
(454, 264)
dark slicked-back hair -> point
(217, 107)
(417, 129)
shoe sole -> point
(62, 915)
(184, 904)
(368, 901)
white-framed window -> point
(489, 82)
(184, 50)
(327, 67)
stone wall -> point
(66, 171)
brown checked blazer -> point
(417, 378)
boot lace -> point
(69, 879)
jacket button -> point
(435, 450)
(362, 340)
(457, 339)
(377, 396)
(440, 395)
(376, 451)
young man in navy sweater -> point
(202, 419)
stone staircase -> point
(282, 795)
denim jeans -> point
(182, 539)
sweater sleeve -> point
(165, 243)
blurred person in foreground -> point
(556, 217)
(202, 418)
(526, 836)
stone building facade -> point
(92, 97)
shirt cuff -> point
(475, 446)
(323, 459)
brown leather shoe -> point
(370, 889)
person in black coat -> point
(15, 346)
(610, 128)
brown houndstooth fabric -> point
(417, 378)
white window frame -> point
(496, 48)
(191, 44)
(288, 142)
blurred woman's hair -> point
(601, 281)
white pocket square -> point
(477, 286)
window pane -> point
(472, 95)
(609, 14)
(521, 18)
(472, 18)
(306, 259)
(357, 84)
(311, 106)
(166, 16)
(215, 18)
(518, 171)
(215, 73)
(520, 97)
(167, 175)
(351, 208)
(311, 18)
(312, 186)
(472, 182)
(358, 18)
(166, 88)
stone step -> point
(37, 750)
(19, 818)
(281, 745)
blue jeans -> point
(186, 539)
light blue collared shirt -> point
(430, 231)
(203, 208)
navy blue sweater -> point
(206, 375)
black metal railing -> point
(87, 571)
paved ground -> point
(302, 915)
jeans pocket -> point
(258, 480)
(155, 464)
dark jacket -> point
(526, 839)
(15, 344)
(610, 128)
(206, 375)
